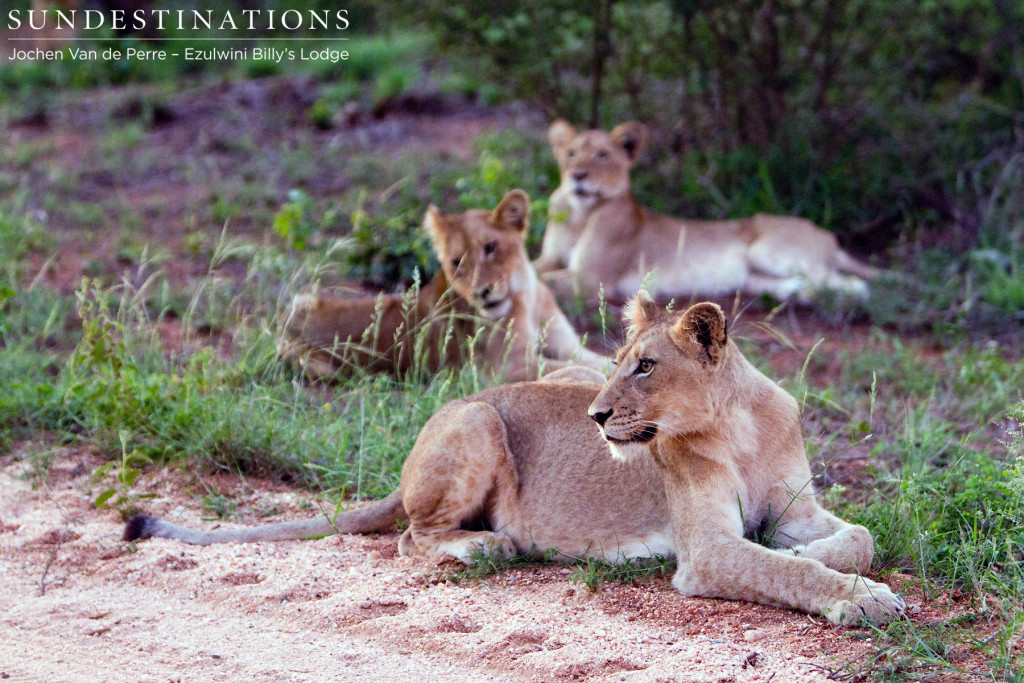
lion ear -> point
(702, 328)
(513, 211)
(435, 225)
(560, 134)
(638, 312)
(631, 136)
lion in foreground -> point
(727, 441)
(600, 235)
(486, 295)
(716, 454)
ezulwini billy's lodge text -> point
(274, 54)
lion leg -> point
(562, 343)
(727, 566)
(806, 262)
(562, 283)
(781, 288)
(850, 285)
(548, 264)
(406, 546)
(716, 561)
(460, 471)
(822, 536)
(318, 365)
(789, 267)
(315, 363)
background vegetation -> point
(157, 217)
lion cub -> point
(486, 296)
(518, 468)
(728, 443)
(601, 235)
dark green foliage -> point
(386, 244)
(850, 114)
(297, 223)
(392, 249)
(508, 161)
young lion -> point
(727, 441)
(522, 460)
(520, 468)
(603, 236)
(496, 302)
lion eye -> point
(602, 154)
(456, 262)
(571, 153)
(490, 248)
(644, 366)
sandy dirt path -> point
(341, 608)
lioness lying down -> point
(708, 449)
(495, 302)
(601, 235)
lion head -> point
(594, 164)
(483, 253)
(666, 379)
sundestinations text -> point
(182, 20)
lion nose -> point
(580, 175)
(601, 418)
(485, 292)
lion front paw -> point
(871, 601)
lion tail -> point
(848, 264)
(376, 516)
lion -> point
(600, 235)
(728, 443)
(520, 468)
(486, 295)
(517, 468)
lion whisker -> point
(663, 427)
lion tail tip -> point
(139, 527)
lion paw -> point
(871, 601)
(489, 544)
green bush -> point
(791, 107)
(960, 525)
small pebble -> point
(754, 635)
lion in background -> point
(486, 302)
(600, 235)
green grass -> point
(485, 565)
(248, 414)
(589, 572)
(592, 572)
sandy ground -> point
(78, 604)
